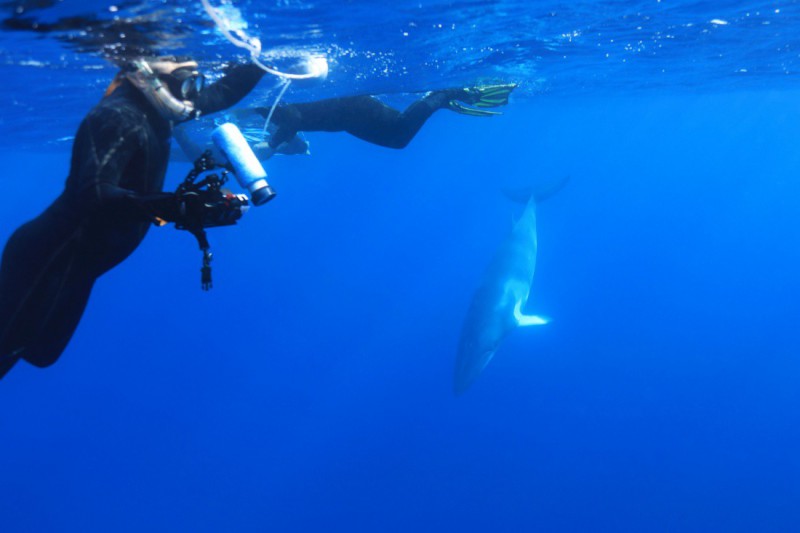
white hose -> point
(252, 44)
(272, 109)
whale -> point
(497, 307)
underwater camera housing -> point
(243, 162)
(204, 204)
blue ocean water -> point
(311, 389)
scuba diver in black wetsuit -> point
(112, 195)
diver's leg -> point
(61, 320)
(373, 121)
(44, 286)
(364, 117)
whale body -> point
(496, 308)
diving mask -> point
(143, 76)
(192, 82)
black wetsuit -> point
(50, 264)
(365, 117)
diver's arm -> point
(104, 146)
(237, 82)
(108, 142)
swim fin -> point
(482, 97)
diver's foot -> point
(481, 98)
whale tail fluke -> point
(540, 193)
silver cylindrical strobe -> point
(246, 167)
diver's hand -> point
(210, 208)
(158, 208)
(186, 210)
(192, 209)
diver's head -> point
(170, 83)
(180, 74)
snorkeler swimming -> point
(112, 195)
(364, 117)
(371, 120)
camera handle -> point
(202, 240)
(209, 185)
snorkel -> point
(146, 80)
